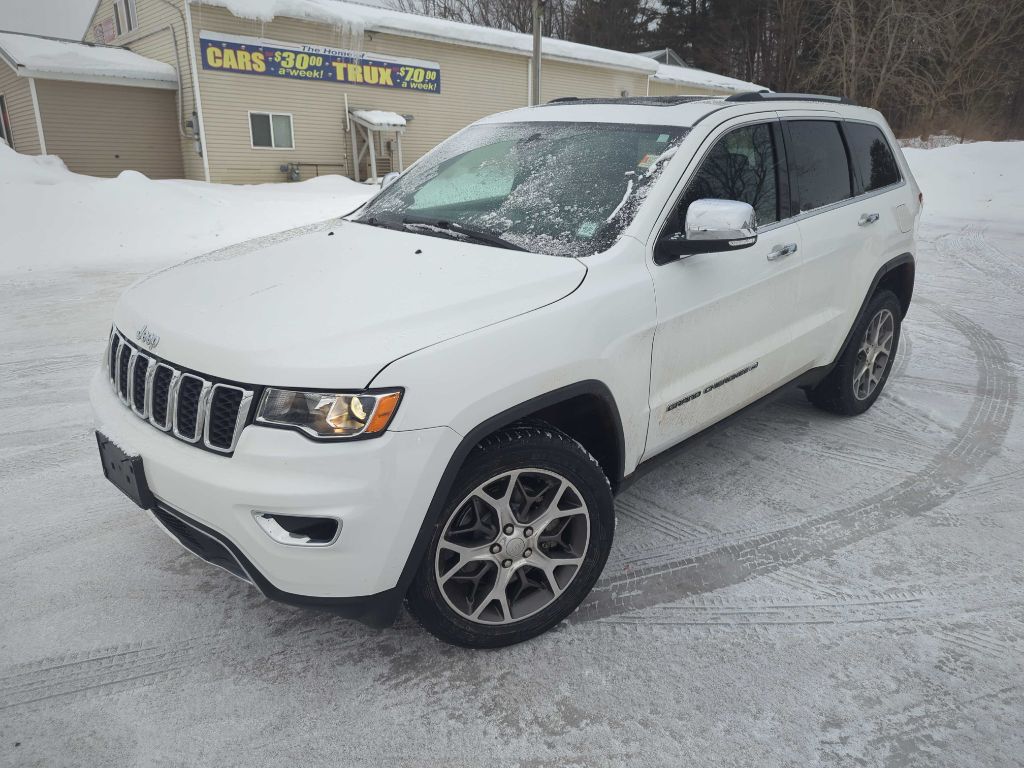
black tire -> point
(521, 446)
(837, 392)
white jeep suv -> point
(434, 398)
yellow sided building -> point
(246, 91)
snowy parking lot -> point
(795, 589)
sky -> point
(60, 18)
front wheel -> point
(862, 370)
(524, 536)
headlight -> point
(329, 414)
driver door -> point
(726, 320)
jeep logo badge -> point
(147, 337)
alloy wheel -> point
(512, 546)
(874, 354)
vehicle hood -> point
(330, 305)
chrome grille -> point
(189, 406)
(139, 374)
(124, 359)
(164, 379)
(192, 407)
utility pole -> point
(538, 22)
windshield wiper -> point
(480, 235)
(373, 221)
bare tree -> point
(620, 24)
(514, 15)
(927, 64)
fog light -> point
(299, 530)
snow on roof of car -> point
(43, 57)
(652, 110)
(357, 18)
(378, 118)
(668, 73)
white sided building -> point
(248, 91)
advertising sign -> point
(250, 56)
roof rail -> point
(770, 96)
(648, 101)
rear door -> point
(822, 188)
(724, 324)
(881, 205)
(843, 178)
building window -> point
(125, 19)
(5, 124)
(271, 130)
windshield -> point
(567, 189)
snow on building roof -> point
(47, 58)
(668, 73)
(379, 118)
(702, 79)
(359, 17)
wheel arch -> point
(896, 275)
(566, 408)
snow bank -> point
(352, 17)
(971, 181)
(51, 218)
(669, 73)
(40, 56)
(932, 142)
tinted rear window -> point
(819, 171)
(872, 157)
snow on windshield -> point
(566, 189)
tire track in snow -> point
(946, 608)
(116, 669)
(976, 440)
(105, 670)
(894, 735)
(971, 246)
(978, 641)
(891, 605)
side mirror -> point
(388, 179)
(711, 226)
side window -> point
(125, 19)
(872, 157)
(740, 166)
(818, 169)
(5, 124)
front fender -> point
(602, 332)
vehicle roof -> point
(683, 111)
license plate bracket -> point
(125, 472)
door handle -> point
(781, 251)
(867, 218)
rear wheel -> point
(859, 376)
(524, 536)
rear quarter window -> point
(872, 156)
(819, 170)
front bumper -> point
(379, 489)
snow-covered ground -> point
(971, 182)
(52, 218)
(797, 589)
